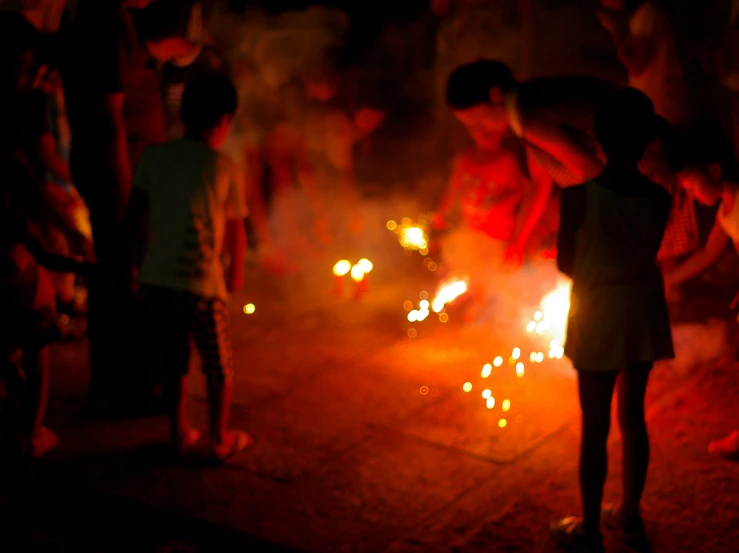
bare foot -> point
(233, 443)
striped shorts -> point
(174, 319)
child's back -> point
(192, 190)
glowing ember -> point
(447, 293)
(413, 316)
(413, 238)
(490, 402)
(516, 353)
(443, 317)
(357, 273)
(467, 387)
(498, 361)
(487, 369)
(486, 394)
(502, 423)
(520, 369)
(392, 225)
(540, 357)
(424, 304)
(366, 265)
(342, 268)
(407, 305)
(249, 308)
(506, 406)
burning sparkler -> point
(412, 236)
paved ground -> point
(352, 456)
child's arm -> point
(235, 238)
(50, 158)
(572, 208)
(538, 190)
(700, 260)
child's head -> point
(164, 32)
(18, 39)
(475, 93)
(701, 163)
(625, 124)
(208, 105)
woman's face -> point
(699, 185)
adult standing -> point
(645, 45)
(115, 111)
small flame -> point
(448, 293)
(357, 273)
(249, 308)
(342, 268)
(366, 265)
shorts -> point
(175, 317)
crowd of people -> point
(114, 176)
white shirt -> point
(192, 191)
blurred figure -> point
(191, 199)
(115, 112)
(27, 295)
(166, 38)
(707, 171)
(645, 44)
(618, 326)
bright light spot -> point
(486, 394)
(342, 267)
(520, 369)
(392, 225)
(540, 357)
(552, 317)
(490, 402)
(487, 369)
(413, 237)
(502, 423)
(538, 316)
(443, 317)
(424, 390)
(366, 265)
(422, 314)
(506, 405)
(412, 333)
(424, 304)
(467, 387)
(249, 308)
(531, 326)
(357, 273)
(532, 357)
(498, 361)
(516, 353)
(447, 293)
(424, 295)
(407, 305)
(423, 251)
(413, 316)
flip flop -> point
(241, 442)
(632, 535)
(569, 534)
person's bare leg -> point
(179, 425)
(632, 387)
(219, 401)
(36, 369)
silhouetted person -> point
(115, 111)
(610, 232)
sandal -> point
(194, 442)
(727, 447)
(631, 534)
(569, 534)
(42, 443)
(236, 442)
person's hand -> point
(437, 221)
(735, 302)
(368, 120)
(609, 19)
(513, 255)
(84, 246)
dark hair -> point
(470, 85)
(207, 98)
(163, 19)
(625, 124)
(701, 145)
